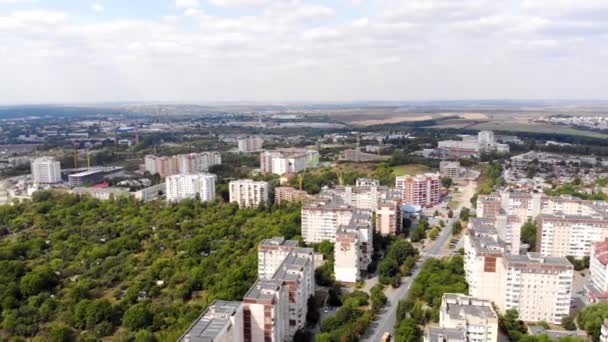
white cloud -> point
(305, 50)
(185, 4)
(97, 7)
(241, 3)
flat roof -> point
(211, 322)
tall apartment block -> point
(539, 287)
(248, 193)
(181, 163)
(188, 186)
(369, 195)
(597, 288)
(328, 218)
(46, 170)
(566, 225)
(250, 144)
(288, 160)
(353, 248)
(423, 190)
(273, 309)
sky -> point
(201, 51)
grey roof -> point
(460, 306)
(436, 334)
(263, 290)
(213, 320)
(553, 334)
(537, 259)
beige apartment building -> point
(221, 322)
(286, 194)
(248, 193)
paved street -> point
(386, 319)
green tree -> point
(568, 323)
(137, 317)
(446, 182)
(407, 331)
(456, 228)
(528, 234)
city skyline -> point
(273, 51)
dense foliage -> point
(75, 266)
(528, 234)
(437, 276)
(400, 258)
(590, 319)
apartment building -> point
(473, 315)
(388, 217)
(483, 258)
(488, 206)
(188, 186)
(264, 312)
(276, 305)
(539, 287)
(361, 157)
(181, 163)
(437, 334)
(450, 169)
(250, 144)
(422, 190)
(484, 142)
(288, 160)
(322, 217)
(46, 170)
(564, 235)
(597, 288)
(248, 193)
(354, 248)
(286, 194)
(273, 309)
(221, 322)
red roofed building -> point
(597, 289)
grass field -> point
(412, 169)
(535, 128)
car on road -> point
(386, 337)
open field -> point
(535, 128)
(412, 169)
(403, 118)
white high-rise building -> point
(250, 144)
(321, 219)
(354, 247)
(248, 193)
(538, 287)
(179, 187)
(46, 170)
(289, 160)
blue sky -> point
(199, 51)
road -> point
(387, 317)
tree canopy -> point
(76, 266)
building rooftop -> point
(601, 251)
(263, 291)
(208, 325)
(535, 260)
(437, 334)
(461, 306)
